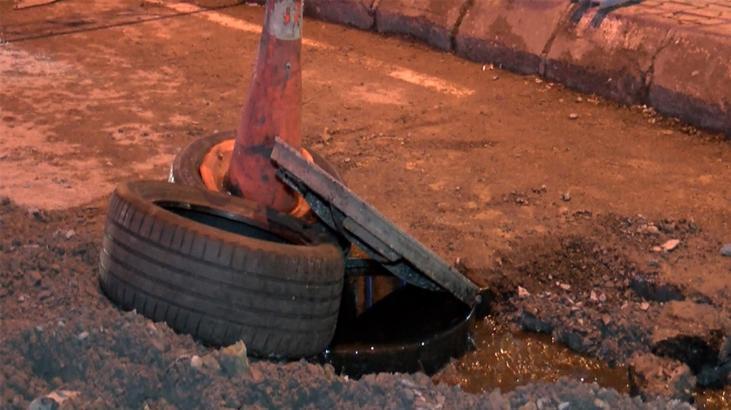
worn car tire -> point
(202, 262)
(184, 169)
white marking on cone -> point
(394, 71)
(286, 21)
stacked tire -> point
(222, 268)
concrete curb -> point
(356, 13)
(674, 56)
(430, 21)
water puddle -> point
(505, 360)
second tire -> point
(221, 268)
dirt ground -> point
(554, 200)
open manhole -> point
(411, 329)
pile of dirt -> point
(125, 361)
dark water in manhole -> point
(503, 359)
(409, 330)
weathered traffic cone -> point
(272, 108)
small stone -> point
(83, 335)
(21, 298)
(670, 245)
(196, 362)
(210, 362)
(649, 229)
(234, 360)
(565, 405)
(566, 196)
(69, 234)
(644, 305)
(564, 286)
(523, 292)
(34, 277)
(45, 294)
(495, 78)
(579, 99)
(55, 400)
(726, 250)
(602, 297)
(656, 249)
(593, 297)
(573, 116)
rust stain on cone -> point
(272, 108)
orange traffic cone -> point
(272, 108)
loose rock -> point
(34, 277)
(726, 250)
(234, 360)
(196, 362)
(54, 401)
(651, 376)
(670, 245)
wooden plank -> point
(369, 219)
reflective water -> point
(506, 360)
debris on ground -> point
(652, 376)
(670, 245)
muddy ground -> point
(556, 201)
(62, 335)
